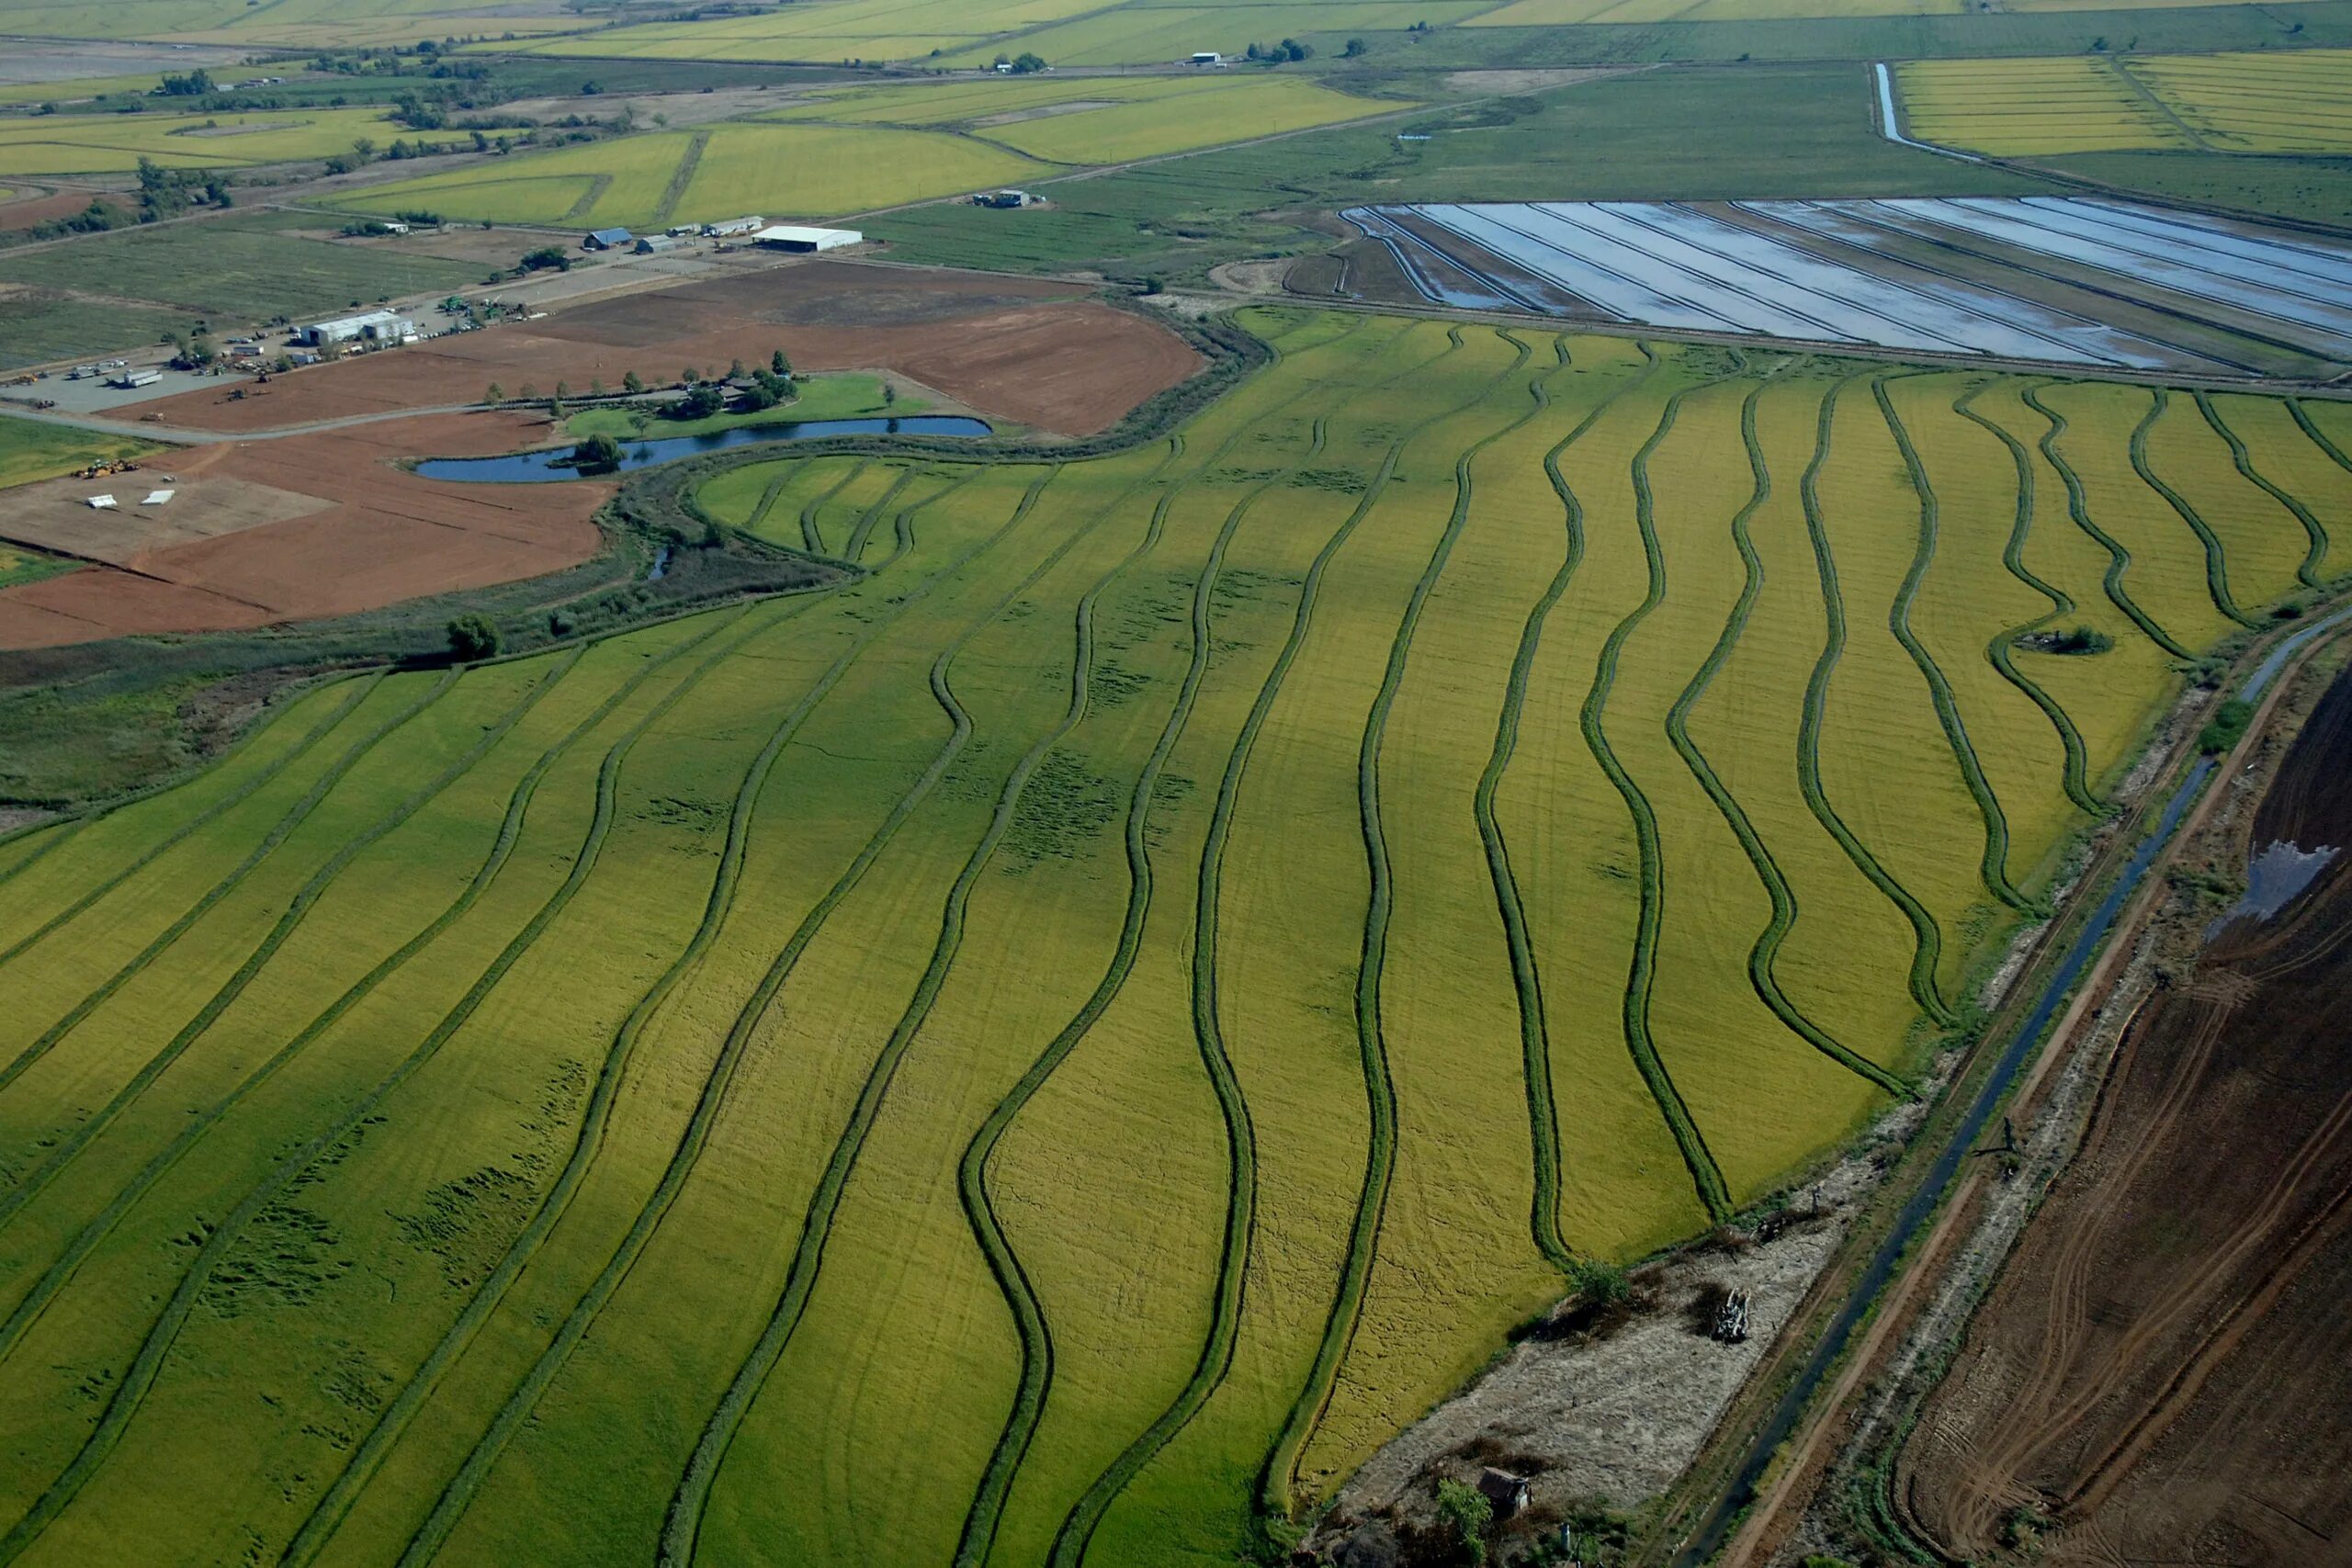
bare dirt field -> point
(39, 209)
(2163, 1372)
(1031, 351)
(370, 534)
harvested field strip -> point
(2078, 508)
(1761, 955)
(2308, 570)
(1535, 1046)
(141, 1374)
(1927, 939)
(319, 1528)
(681, 177)
(194, 824)
(1704, 1175)
(2001, 651)
(812, 538)
(1898, 620)
(60, 1273)
(70, 1144)
(278, 834)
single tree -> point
(496, 395)
(632, 382)
(472, 635)
(779, 363)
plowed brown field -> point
(1022, 349)
(378, 534)
(2163, 1373)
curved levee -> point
(1995, 866)
(1765, 953)
(2217, 570)
(2118, 559)
(1927, 936)
(2001, 651)
(2316, 549)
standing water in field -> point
(556, 463)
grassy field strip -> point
(1762, 955)
(278, 833)
(355, 691)
(983, 1520)
(1283, 1458)
(334, 1503)
(141, 1375)
(779, 1327)
(812, 538)
(502, 849)
(2309, 568)
(681, 177)
(1102, 1482)
(1927, 939)
(2217, 572)
(2078, 508)
(690, 1499)
(1527, 984)
(69, 1144)
(855, 548)
(2001, 651)
(1994, 864)
(1277, 848)
(1635, 1004)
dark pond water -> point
(541, 467)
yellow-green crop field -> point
(2290, 102)
(1097, 121)
(334, 24)
(1555, 13)
(797, 171)
(1135, 992)
(826, 32)
(110, 143)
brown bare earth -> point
(2163, 1373)
(1027, 350)
(293, 529)
(36, 211)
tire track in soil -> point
(1927, 936)
(812, 536)
(2118, 559)
(298, 907)
(147, 1365)
(202, 819)
(2001, 651)
(335, 1504)
(681, 1525)
(1527, 982)
(1278, 1476)
(852, 551)
(2317, 536)
(1706, 1177)
(2217, 570)
(1763, 954)
(1076, 1533)
(60, 1273)
(1993, 868)
(278, 834)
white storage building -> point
(370, 326)
(793, 237)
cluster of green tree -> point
(197, 84)
(166, 193)
(1289, 48)
(754, 391)
(1022, 64)
(95, 219)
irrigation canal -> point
(557, 464)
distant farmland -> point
(1094, 1025)
(2299, 102)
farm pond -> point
(555, 463)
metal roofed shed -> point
(793, 237)
(729, 228)
(158, 497)
(370, 326)
(606, 239)
(128, 379)
(653, 244)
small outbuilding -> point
(129, 379)
(606, 239)
(1507, 1492)
(793, 237)
(654, 245)
(734, 228)
(368, 326)
(1006, 197)
(1207, 57)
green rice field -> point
(2299, 102)
(1062, 1043)
(103, 143)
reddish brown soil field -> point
(14, 215)
(2163, 1373)
(384, 536)
(1018, 348)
